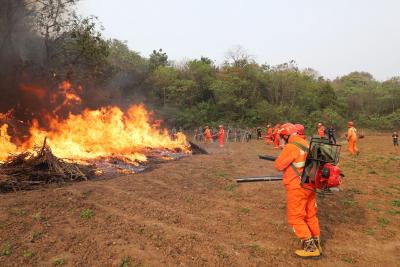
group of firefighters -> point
(273, 137)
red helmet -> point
(350, 123)
(300, 128)
(287, 129)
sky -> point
(332, 37)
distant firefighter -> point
(352, 139)
(221, 136)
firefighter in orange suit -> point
(300, 131)
(207, 135)
(321, 130)
(221, 136)
(301, 201)
(275, 133)
(352, 139)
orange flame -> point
(6, 146)
(104, 133)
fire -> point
(6, 146)
(105, 132)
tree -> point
(158, 59)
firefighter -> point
(259, 133)
(207, 135)
(352, 139)
(221, 134)
(276, 136)
(300, 131)
(321, 130)
(331, 135)
(301, 200)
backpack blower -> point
(320, 168)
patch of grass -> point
(86, 214)
(371, 171)
(255, 249)
(221, 174)
(125, 262)
(27, 254)
(37, 216)
(394, 212)
(349, 260)
(18, 212)
(231, 187)
(348, 202)
(396, 202)
(383, 221)
(87, 194)
(6, 250)
(369, 231)
(36, 235)
(244, 210)
(221, 253)
(355, 191)
(58, 262)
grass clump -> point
(383, 221)
(396, 202)
(231, 187)
(58, 262)
(6, 250)
(27, 254)
(244, 210)
(86, 214)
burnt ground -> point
(191, 213)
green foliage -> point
(6, 250)
(86, 214)
(58, 262)
(27, 254)
(396, 202)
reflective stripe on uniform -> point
(300, 164)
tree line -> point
(42, 41)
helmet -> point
(221, 126)
(319, 124)
(350, 123)
(300, 128)
(287, 129)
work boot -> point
(317, 242)
(309, 249)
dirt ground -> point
(191, 213)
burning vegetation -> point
(78, 146)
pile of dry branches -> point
(29, 169)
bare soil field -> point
(192, 213)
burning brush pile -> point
(81, 146)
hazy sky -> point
(333, 37)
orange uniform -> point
(301, 201)
(269, 135)
(321, 131)
(207, 135)
(275, 133)
(352, 140)
(221, 137)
